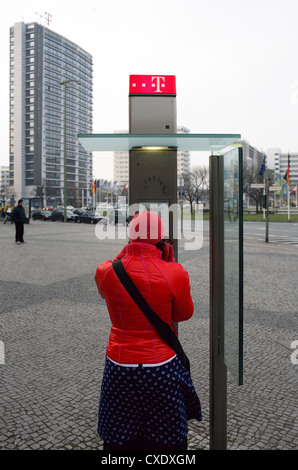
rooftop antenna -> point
(47, 18)
(39, 17)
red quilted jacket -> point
(164, 285)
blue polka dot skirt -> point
(155, 402)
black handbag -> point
(164, 330)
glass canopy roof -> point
(181, 142)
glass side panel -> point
(233, 264)
(183, 142)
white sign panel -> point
(257, 185)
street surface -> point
(279, 232)
(54, 328)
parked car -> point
(78, 211)
(118, 216)
(58, 214)
(104, 206)
(41, 214)
(92, 217)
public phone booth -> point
(152, 143)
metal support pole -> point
(267, 211)
(268, 178)
(65, 159)
(218, 369)
(181, 202)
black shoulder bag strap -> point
(164, 330)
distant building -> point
(252, 157)
(183, 157)
(272, 153)
(121, 166)
(279, 163)
(40, 60)
(253, 160)
(4, 180)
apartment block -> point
(50, 103)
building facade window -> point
(50, 59)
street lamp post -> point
(65, 83)
(269, 177)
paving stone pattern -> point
(55, 326)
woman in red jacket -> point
(147, 396)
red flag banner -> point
(287, 173)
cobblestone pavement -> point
(54, 327)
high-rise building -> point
(121, 165)
(183, 157)
(272, 157)
(121, 162)
(279, 163)
(43, 67)
(292, 159)
(4, 180)
(252, 157)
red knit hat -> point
(146, 227)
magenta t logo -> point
(158, 83)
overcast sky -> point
(235, 62)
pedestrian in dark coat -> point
(19, 218)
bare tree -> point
(40, 192)
(73, 194)
(195, 184)
(201, 182)
(189, 189)
(7, 194)
(44, 191)
(251, 175)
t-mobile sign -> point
(152, 104)
(152, 84)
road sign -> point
(274, 188)
(257, 185)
